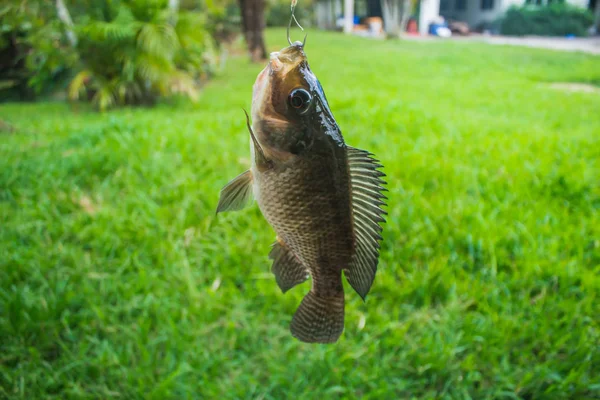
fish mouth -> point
(279, 65)
(287, 59)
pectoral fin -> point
(288, 270)
(237, 194)
(367, 200)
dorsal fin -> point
(367, 199)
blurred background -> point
(120, 121)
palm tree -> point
(395, 15)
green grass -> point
(118, 281)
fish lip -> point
(275, 64)
(287, 58)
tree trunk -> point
(244, 14)
(395, 16)
(253, 25)
(173, 10)
(597, 16)
(405, 15)
(390, 17)
(65, 17)
(348, 16)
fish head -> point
(290, 112)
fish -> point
(323, 198)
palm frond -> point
(124, 27)
(78, 84)
(189, 29)
(104, 97)
(152, 67)
(128, 92)
(158, 39)
(103, 31)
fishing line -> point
(293, 18)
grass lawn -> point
(117, 280)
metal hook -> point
(293, 18)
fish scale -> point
(303, 216)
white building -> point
(473, 12)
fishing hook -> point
(293, 18)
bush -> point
(34, 56)
(127, 51)
(553, 20)
(136, 52)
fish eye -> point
(300, 99)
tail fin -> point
(319, 319)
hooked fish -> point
(322, 197)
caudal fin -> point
(319, 319)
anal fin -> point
(288, 270)
(237, 194)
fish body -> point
(321, 196)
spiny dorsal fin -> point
(237, 194)
(288, 270)
(367, 200)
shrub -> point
(136, 52)
(554, 20)
(127, 51)
(34, 57)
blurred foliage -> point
(133, 52)
(224, 19)
(34, 56)
(127, 52)
(278, 12)
(553, 20)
